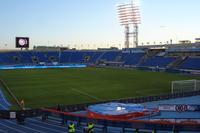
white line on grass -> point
(86, 94)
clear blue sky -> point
(93, 23)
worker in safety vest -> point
(90, 127)
(71, 128)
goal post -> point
(185, 86)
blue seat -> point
(132, 58)
(158, 61)
(191, 63)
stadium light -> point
(129, 14)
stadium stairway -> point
(158, 61)
(143, 59)
(191, 63)
(177, 62)
(4, 104)
(100, 56)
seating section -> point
(132, 58)
(191, 63)
(110, 55)
(26, 57)
(93, 56)
(77, 57)
(80, 56)
(8, 57)
(158, 61)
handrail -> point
(79, 107)
(10, 93)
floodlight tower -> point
(129, 15)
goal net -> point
(185, 86)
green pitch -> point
(49, 87)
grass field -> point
(48, 87)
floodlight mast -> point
(129, 15)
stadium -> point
(141, 89)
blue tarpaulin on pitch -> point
(114, 108)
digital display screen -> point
(22, 42)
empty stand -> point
(132, 57)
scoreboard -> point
(22, 42)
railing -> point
(3, 84)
